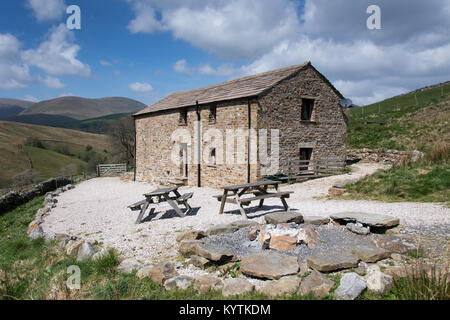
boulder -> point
(129, 265)
(161, 272)
(350, 287)
(236, 286)
(285, 285)
(282, 243)
(244, 224)
(269, 265)
(362, 268)
(396, 243)
(72, 247)
(204, 284)
(212, 252)
(199, 262)
(221, 229)
(370, 254)
(358, 228)
(369, 219)
(187, 247)
(332, 261)
(191, 235)
(36, 233)
(86, 251)
(143, 272)
(377, 281)
(316, 284)
(316, 220)
(312, 237)
(179, 282)
(283, 217)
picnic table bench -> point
(159, 196)
(259, 191)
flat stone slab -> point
(283, 217)
(316, 220)
(401, 244)
(221, 229)
(332, 261)
(370, 254)
(236, 286)
(244, 224)
(281, 287)
(370, 219)
(269, 265)
(208, 251)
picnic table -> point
(159, 196)
(259, 191)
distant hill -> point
(83, 108)
(15, 159)
(415, 120)
(12, 107)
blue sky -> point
(146, 49)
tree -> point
(122, 138)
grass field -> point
(412, 124)
(14, 161)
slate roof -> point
(239, 88)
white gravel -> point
(96, 210)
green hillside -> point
(67, 147)
(412, 121)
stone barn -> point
(298, 101)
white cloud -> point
(57, 55)
(140, 87)
(14, 74)
(47, 10)
(51, 82)
(31, 98)
(105, 63)
(181, 66)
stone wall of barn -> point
(280, 109)
(155, 143)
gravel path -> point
(96, 210)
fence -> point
(110, 169)
(311, 169)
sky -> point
(147, 49)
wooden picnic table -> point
(259, 191)
(159, 196)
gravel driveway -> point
(96, 210)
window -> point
(307, 109)
(183, 117)
(305, 157)
(212, 114)
(212, 157)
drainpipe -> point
(199, 183)
(135, 148)
(249, 144)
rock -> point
(304, 269)
(316, 284)
(49, 236)
(86, 251)
(332, 261)
(362, 268)
(211, 252)
(187, 247)
(36, 233)
(282, 243)
(316, 220)
(237, 286)
(161, 272)
(312, 237)
(221, 229)
(358, 228)
(61, 236)
(72, 248)
(199, 262)
(204, 284)
(180, 282)
(129, 265)
(283, 217)
(336, 192)
(269, 265)
(191, 235)
(416, 155)
(281, 287)
(377, 281)
(143, 272)
(370, 254)
(252, 235)
(350, 287)
(98, 255)
(370, 219)
(396, 244)
(244, 224)
(264, 236)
